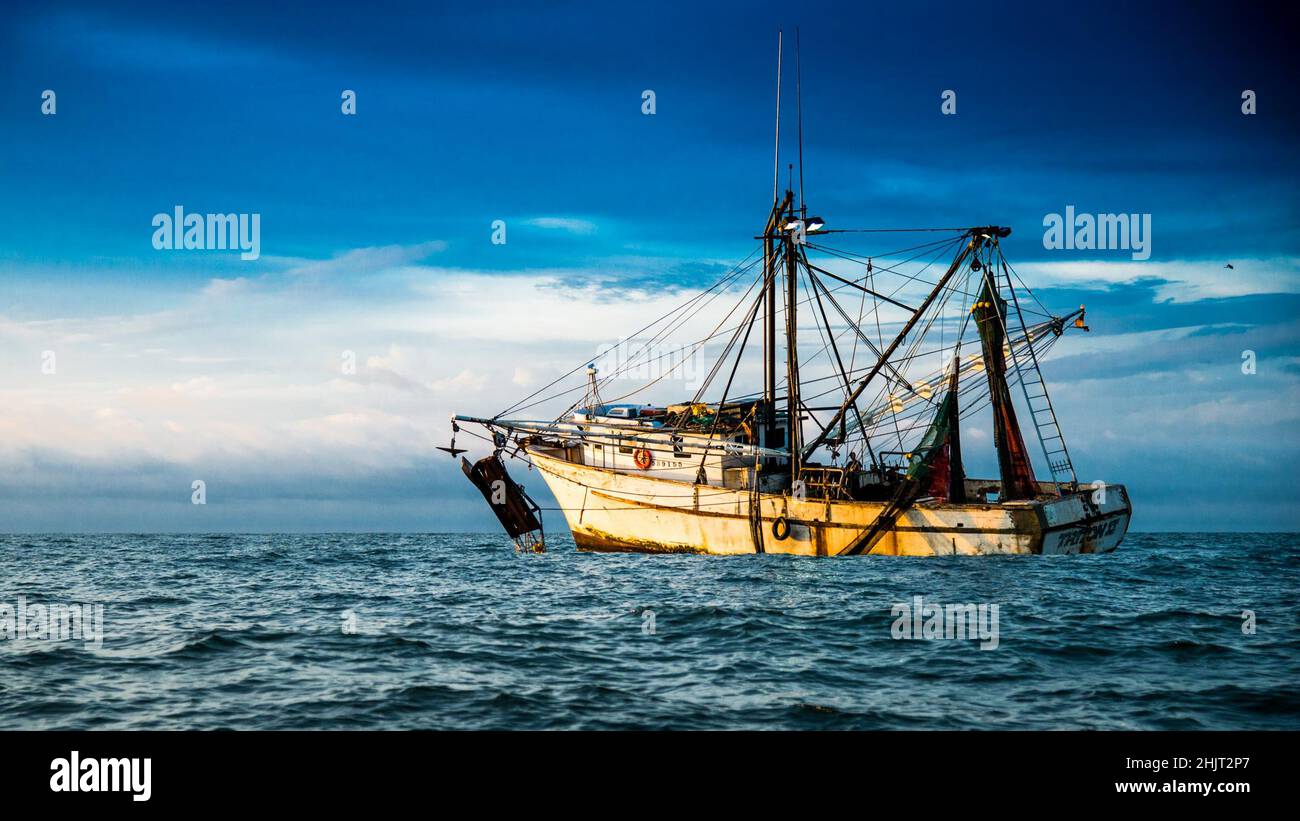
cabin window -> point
(624, 449)
(597, 447)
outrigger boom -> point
(539, 428)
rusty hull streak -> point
(598, 542)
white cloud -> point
(362, 260)
(225, 287)
(572, 225)
(1187, 280)
(252, 370)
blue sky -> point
(375, 230)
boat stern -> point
(1090, 520)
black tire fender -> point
(781, 528)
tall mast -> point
(774, 219)
(791, 339)
(769, 323)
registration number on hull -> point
(1073, 540)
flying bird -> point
(1229, 265)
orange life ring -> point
(642, 458)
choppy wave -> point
(458, 631)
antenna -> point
(798, 98)
(776, 155)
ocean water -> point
(458, 631)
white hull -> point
(618, 511)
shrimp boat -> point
(874, 368)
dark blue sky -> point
(530, 112)
(470, 112)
